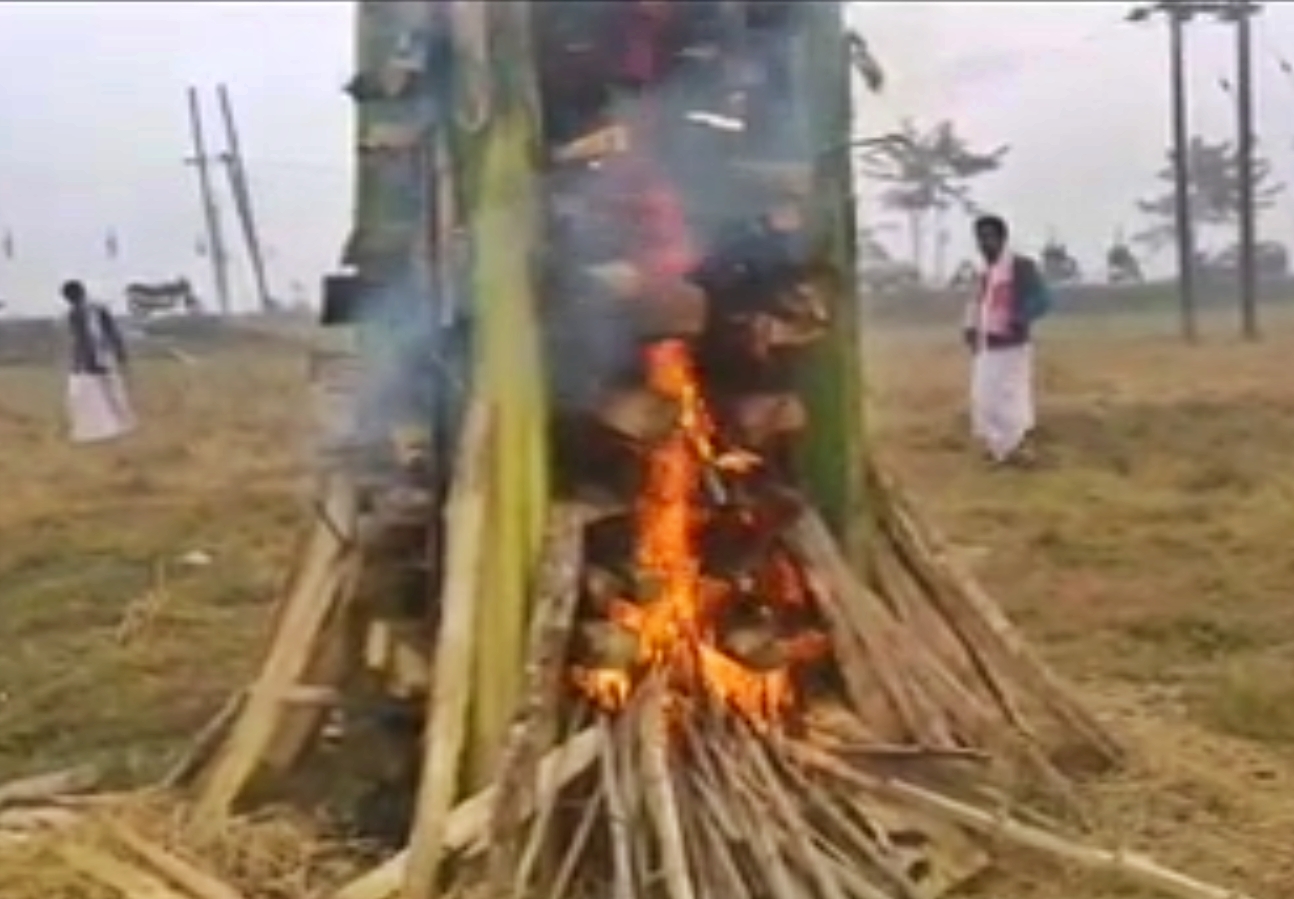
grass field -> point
(1148, 557)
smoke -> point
(414, 364)
(700, 98)
(706, 98)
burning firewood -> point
(605, 141)
(641, 415)
(606, 646)
(602, 586)
(768, 332)
(761, 714)
(758, 419)
(672, 308)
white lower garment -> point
(1001, 398)
(98, 407)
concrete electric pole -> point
(1177, 15)
(1238, 13)
(211, 212)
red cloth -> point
(660, 241)
(645, 25)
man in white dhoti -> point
(1012, 296)
(98, 403)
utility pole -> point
(1238, 13)
(211, 212)
(1182, 177)
(1177, 14)
(240, 188)
(1247, 261)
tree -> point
(929, 173)
(1213, 177)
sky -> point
(95, 132)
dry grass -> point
(1148, 558)
(277, 854)
(115, 648)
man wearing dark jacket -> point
(98, 404)
(998, 327)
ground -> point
(1147, 557)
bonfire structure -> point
(605, 595)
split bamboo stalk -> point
(977, 614)
(302, 721)
(449, 699)
(311, 596)
(205, 744)
(504, 217)
(623, 886)
(175, 869)
(662, 803)
(1005, 828)
(894, 659)
(121, 877)
(556, 595)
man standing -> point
(1012, 296)
(98, 404)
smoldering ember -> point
(611, 598)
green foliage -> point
(1214, 183)
(928, 169)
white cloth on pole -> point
(98, 407)
(1002, 409)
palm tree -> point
(929, 173)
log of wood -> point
(755, 646)
(605, 141)
(604, 645)
(642, 415)
(767, 332)
(758, 419)
(783, 179)
(602, 586)
(656, 309)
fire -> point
(676, 627)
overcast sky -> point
(93, 127)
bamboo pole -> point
(503, 211)
(312, 594)
(452, 685)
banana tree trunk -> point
(835, 448)
(495, 144)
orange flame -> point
(675, 633)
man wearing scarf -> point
(999, 323)
(98, 404)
